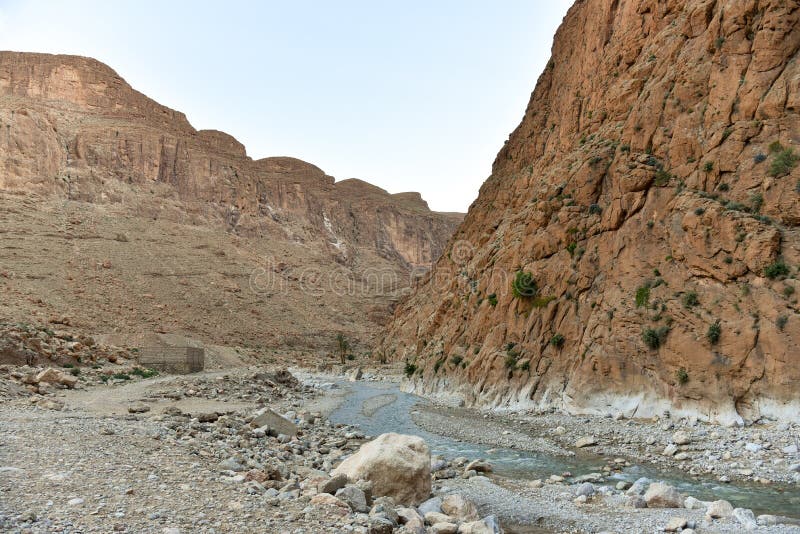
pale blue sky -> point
(411, 96)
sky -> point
(410, 96)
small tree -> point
(343, 345)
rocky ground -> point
(764, 453)
(116, 448)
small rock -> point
(586, 441)
(660, 495)
(138, 407)
(681, 438)
(676, 524)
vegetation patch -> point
(714, 333)
(682, 376)
(557, 341)
(776, 270)
(523, 286)
(655, 337)
(643, 295)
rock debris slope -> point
(652, 192)
(149, 224)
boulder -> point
(676, 524)
(479, 466)
(397, 465)
(432, 518)
(586, 441)
(53, 376)
(431, 505)
(354, 374)
(138, 407)
(444, 528)
(660, 495)
(719, 509)
(457, 506)
(276, 422)
(745, 517)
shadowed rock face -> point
(648, 157)
(75, 134)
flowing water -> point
(378, 408)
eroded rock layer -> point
(178, 228)
(653, 193)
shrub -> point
(690, 299)
(511, 360)
(699, 211)
(526, 365)
(351, 356)
(541, 302)
(759, 158)
(456, 359)
(410, 369)
(643, 296)
(74, 371)
(343, 345)
(726, 133)
(775, 270)
(121, 376)
(756, 201)
(708, 166)
(788, 291)
(68, 366)
(655, 337)
(557, 340)
(783, 162)
(595, 209)
(662, 178)
(682, 376)
(714, 332)
(144, 373)
(571, 248)
(492, 299)
(781, 322)
(523, 285)
(775, 147)
(438, 365)
(723, 187)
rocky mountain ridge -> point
(636, 247)
(105, 178)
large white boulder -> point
(397, 465)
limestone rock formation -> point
(100, 174)
(652, 193)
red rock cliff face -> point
(657, 159)
(71, 126)
(123, 218)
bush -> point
(557, 341)
(456, 359)
(511, 361)
(438, 365)
(523, 285)
(492, 299)
(410, 369)
(781, 322)
(571, 248)
(351, 357)
(782, 163)
(775, 270)
(690, 300)
(682, 376)
(595, 209)
(708, 166)
(723, 187)
(642, 296)
(144, 373)
(662, 178)
(526, 365)
(714, 332)
(759, 158)
(655, 337)
(541, 302)
(120, 376)
(699, 211)
(74, 371)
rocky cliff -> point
(91, 166)
(636, 248)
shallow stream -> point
(376, 408)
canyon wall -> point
(652, 192)
(75, 137)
